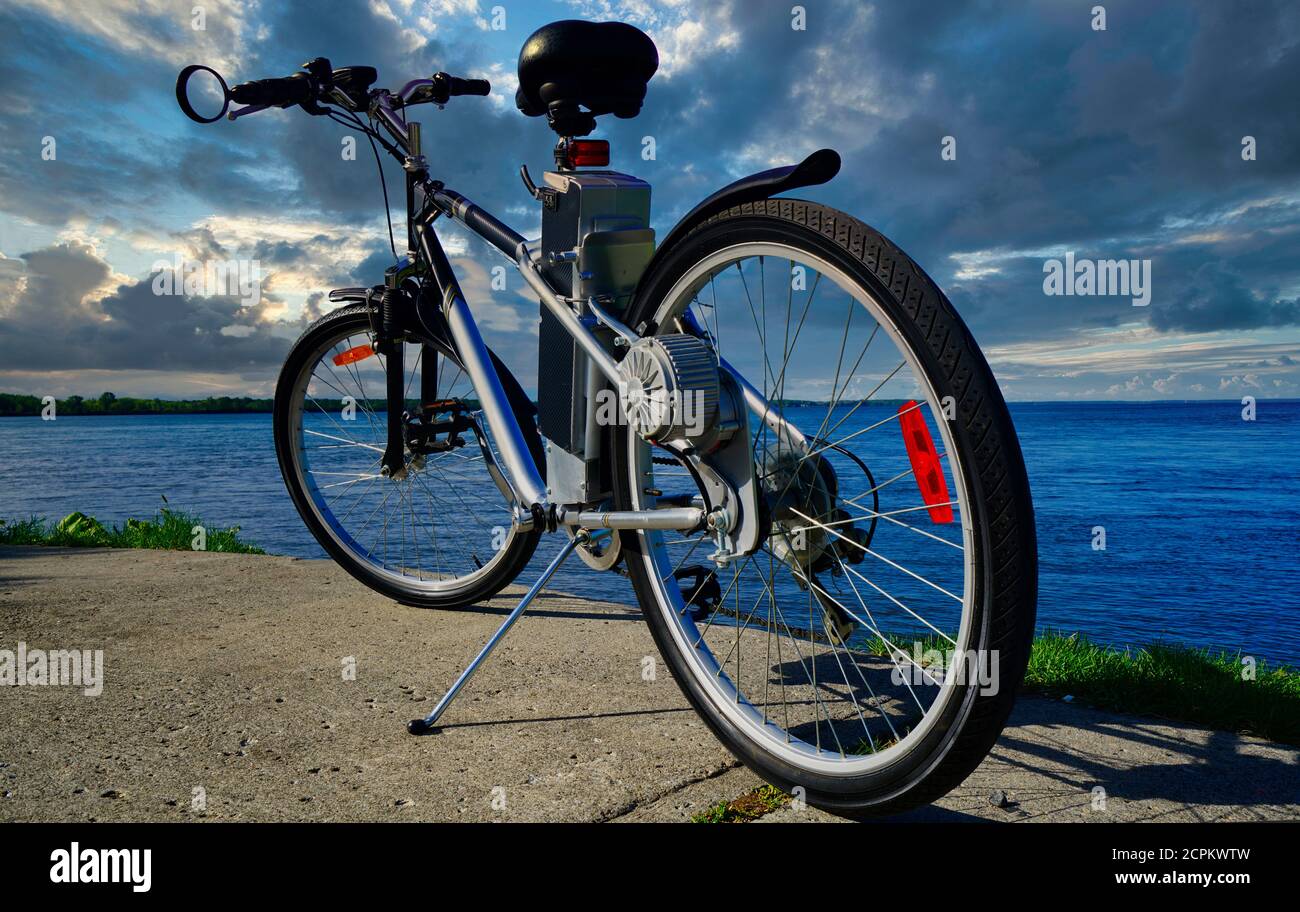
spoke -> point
(811, 676)
(762, 334)
(887, 518)
(884, 484)
(338, 484)
(864, 579)
(860, 432)
(343, 441)
(867, 550)
(871, 513)
(902, 676)
(870, 626)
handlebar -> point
(458, 86)
(348, 87)
(280, 93)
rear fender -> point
(817, 168)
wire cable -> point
(371, 134)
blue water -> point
(1201, 509)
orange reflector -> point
(360, 353)
(926, 467)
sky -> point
(985, 139)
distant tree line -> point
(12, 404)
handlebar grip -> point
(283, 92)
(458, 86)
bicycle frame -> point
(440, 303)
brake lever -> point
(250, 109)
(434, 89)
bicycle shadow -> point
(1053, 755)
(1137, 759)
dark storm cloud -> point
(1211, 295)
(49, 320)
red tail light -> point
(583, 153)
(926, 466)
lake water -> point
(1201, 509)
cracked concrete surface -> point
(226, 698)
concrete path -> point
(267, 688)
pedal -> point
(703, 596)
(423, 431)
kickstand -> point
(425, 725)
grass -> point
(1203, 686)
(750, 806)
(171, 530)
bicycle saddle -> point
(573, 71)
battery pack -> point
(596, 242)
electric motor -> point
(669, 388)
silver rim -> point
(439, 530)
(767, 661)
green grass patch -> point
(1208, 687)
(750, 806)
(171, 530)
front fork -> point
(391, 345)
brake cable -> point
(372, 135)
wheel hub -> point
(792, 485)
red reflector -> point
(588, 153)
(926, 467)
(360, 353)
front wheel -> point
(869, 651)
(440, 534)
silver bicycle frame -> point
(532, 504)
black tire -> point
(1006, 564)
(359, 319)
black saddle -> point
(573, 71)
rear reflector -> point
(925, 462)
(360, 353)
(587, 153)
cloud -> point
(54, 319)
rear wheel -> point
(869, 651)
(440, 536)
